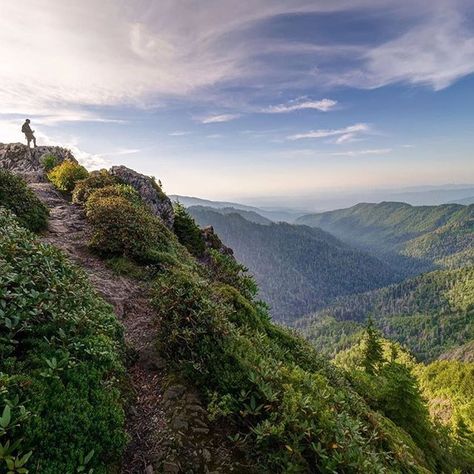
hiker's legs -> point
(28, 139)
(34, 141)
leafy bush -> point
(187, 231)
(225, 269)
(123, 226)
(290, 411)
(49, 162)
(65, 175)
(60, 361)
(95, 180)
(22, 201)
(116, 190)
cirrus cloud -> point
(349, 132)
(323, 105)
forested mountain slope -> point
(412, 238)
(464, 353)
(298, 268)
(430, 314)
(206, 351)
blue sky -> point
(232, 99)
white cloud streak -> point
(179, 133)
(348, 133)
(218, 118)
(323, 105)
(351, 153)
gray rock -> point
(179, 424)
(174, 392)
(170, 467)
(149, 191)
(26, 162)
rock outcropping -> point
(150, 192)
(212, 241)
(27, 162)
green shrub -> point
(66, 175)
(95, 180)
(60, 360)
(49, 162)
(288, 409)
(225, 269)
(22, 201)
(116, 190)
(187, 231)
(123, 226)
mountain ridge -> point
(297, 267)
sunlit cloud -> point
(218, 118)
(179, 133)
(322, 105)
(349, 132)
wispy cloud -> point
(349, 132)
(179, 133)
(112, 53)
(218, 118)
(322, 105)
(377, 151)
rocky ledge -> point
(27, 162)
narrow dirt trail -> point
(68, 230)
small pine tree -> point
(187, 231)
(372, 351)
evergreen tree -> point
(372, 352)
(187, 231)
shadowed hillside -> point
(298, 269)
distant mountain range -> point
(250, 216)
(466, 201)
(299, 269)
(410, 238)
(275, 214)
(327, 200)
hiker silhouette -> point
(29, 134)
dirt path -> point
(68, 230)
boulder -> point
(27, 162)
(150, 192)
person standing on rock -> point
(29, 134)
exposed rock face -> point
(212, 241)
(149, 191)
(27, 162)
